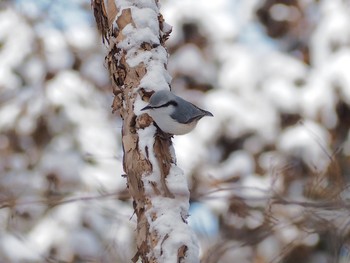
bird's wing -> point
(188, 113)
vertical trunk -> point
(135, 33)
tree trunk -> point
(135, 33)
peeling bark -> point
(147, 167)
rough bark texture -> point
(137, 162)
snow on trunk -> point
(135, 33)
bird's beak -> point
(146, 108)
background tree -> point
(268, 175)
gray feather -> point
(187, 113)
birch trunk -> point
(135, 32)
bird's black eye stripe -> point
(172, 102)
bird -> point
(172, 114)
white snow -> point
(55, 49)
(254, 79)
(188, 60)
(308, 140)
(172, 231)
(17, 250)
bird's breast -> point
(169, 125)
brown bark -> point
(136, 161)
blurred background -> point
(268, 174)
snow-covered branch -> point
(137, 59)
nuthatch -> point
(173, 114)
